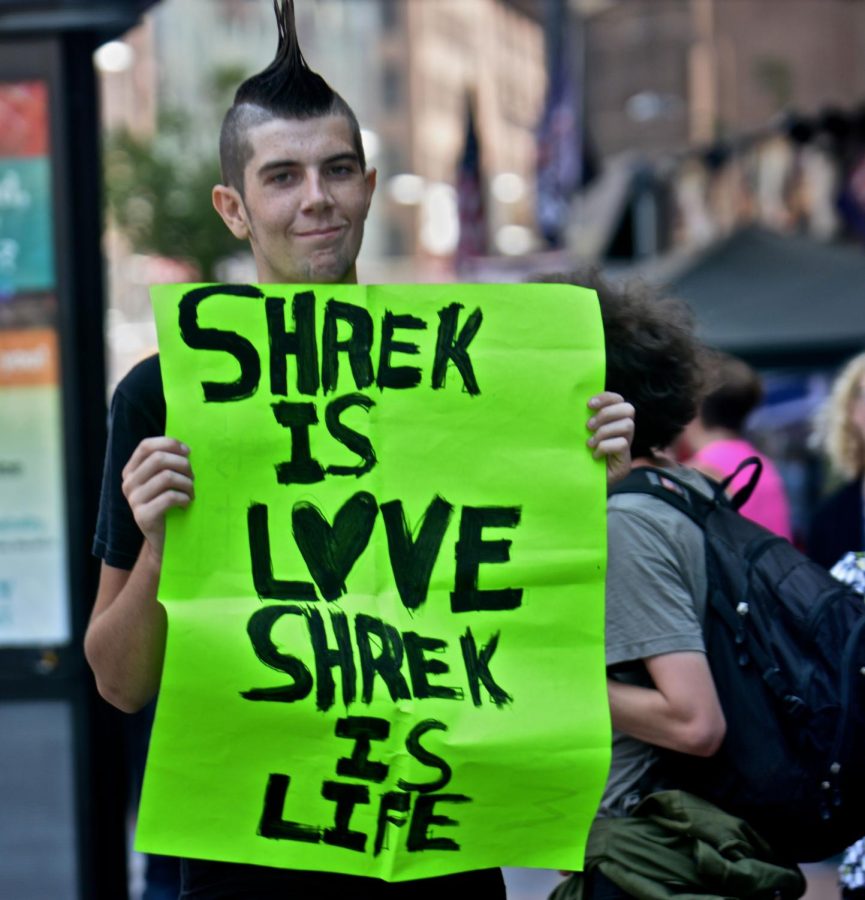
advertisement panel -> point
(34, 607)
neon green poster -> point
(385, 604)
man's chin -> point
(330, 271)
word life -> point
(413, 804)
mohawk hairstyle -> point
(286, 89)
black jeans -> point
(206, 880)
(599, 887)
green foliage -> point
(158, 187)
(223, 81)
(160, 198)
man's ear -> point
(370, 179)
(229, 204)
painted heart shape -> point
(330, 551)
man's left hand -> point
(612, 427)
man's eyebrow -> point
(277, 164)
(347, 156)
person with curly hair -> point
(836, 535)
(660, 686)
(838, 525)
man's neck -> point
(350, 277)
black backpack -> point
(786, 647)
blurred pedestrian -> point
(836, 536)
(716, 443)
(838, 525)
(851, 570)
(649, 839)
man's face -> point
(305, 201)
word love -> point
(331, 550)
(413, 804)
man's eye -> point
(280, 177)
(341, 170)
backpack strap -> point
(743, 495)
(692, 503)
(671, 489)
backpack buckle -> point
(795, 705)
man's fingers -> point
(156, 462)
(611, 447)
(605, 398)
(157, 477)
(620, 411)
(155, 510)
(163, 481)
(612, 430)
(618, 428)
(150, 517)
(150, 446)
(151, 466)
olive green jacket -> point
(678, 846)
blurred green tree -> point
(158, 186)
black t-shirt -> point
(137, 412)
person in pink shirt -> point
(716, 444)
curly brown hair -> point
(654, 359)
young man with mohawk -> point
(296, 186)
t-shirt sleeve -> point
(133, 416)
(650, 603)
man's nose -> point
(316, 194)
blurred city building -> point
(666, 134)
(665, 74)
(710, 115)
(732, 139)
(683, 102)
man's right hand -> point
(125, 640)
(157, 477)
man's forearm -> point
(646, 714)
(125, 641)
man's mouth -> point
(323, 232)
